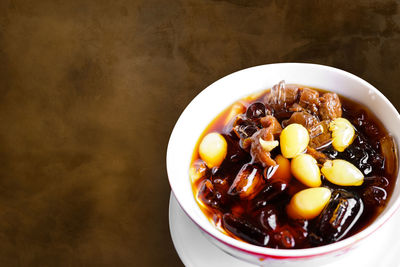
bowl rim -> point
(287, 253)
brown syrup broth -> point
(356, 113)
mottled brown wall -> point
(90, 91)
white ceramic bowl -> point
(218, 96)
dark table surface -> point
(90, 91)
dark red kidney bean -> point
(244, 230)
(299, 229)
(268, 217)
(291, 235)
(270, 194)
(284, 238)
(256, 110)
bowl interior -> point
(219, 95)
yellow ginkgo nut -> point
(308, 203)
(213, 149)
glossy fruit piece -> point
(339, 216)
(248, 182)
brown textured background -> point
(90, 91)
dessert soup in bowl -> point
(217, 97)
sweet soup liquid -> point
(262, 219)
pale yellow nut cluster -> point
(342, 172)
(213, 149)
(343, 133)
(294, 140)
(305, 168)
(308, 203)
